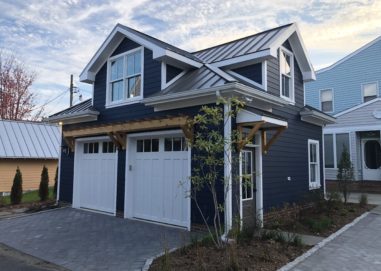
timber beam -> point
(255, 128)
(266, 145)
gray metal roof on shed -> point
(29, 140)
(247, 45)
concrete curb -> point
(310, 252)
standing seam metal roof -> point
(33, 140)
(248, 45)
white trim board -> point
(357, 107)
(347, 129)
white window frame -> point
(290, 99)
(335, 164)
(368, 83)
(320, 101)
(125, 100)
(317, 184)
(241, 173)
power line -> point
(52, 100)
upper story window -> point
(125, 77)
(369, 91)
(326, 100)
(286, 66)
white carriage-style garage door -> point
(95, 174)
(158, 167)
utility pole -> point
(71, 90)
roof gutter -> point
(88, 115)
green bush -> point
(43, 191)
(320, 224)
(363, 200)
(16, 191)
(55, 182)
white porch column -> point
(228, 169)
(259, 179)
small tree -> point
(55, 182)
(16, 192)
(43, 191)
(345, 173)
(209, 146)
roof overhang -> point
(250, 95)
(316, 117)
(115, 38)
(245, 116)
(84, 116)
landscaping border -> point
(321, 244)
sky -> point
(58, 38)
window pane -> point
(117, 91)
(86, 148)
(168, 144)
(285, 64)
(134, 85)
(117, 69)
(369, 98)
(96, 147)
(130, 65)
(341, 141)
(147, 145)
(370, 89)
(155, 145)
(313, 155)
(91, 147)
(327, 106)
(139, 145)
(137, 60)
(313, 173)
(326, 95)
(104, 147)
(177, 144)
(328, 151)
(286, 86)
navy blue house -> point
(125, 150)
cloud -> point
(58, 38)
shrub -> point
(16, 192)
(363, 200)
(43, 191)
(55, 182)
(345, 173)
(320, 224)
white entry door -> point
(95, 176)
(158, 167)
(371, 159)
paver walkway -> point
(358, 248)
(82, 240)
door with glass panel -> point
(371, 150)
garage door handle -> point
(129, 167)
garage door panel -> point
(95, 179)
(160, 180)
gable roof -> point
(242, 51)
(364, 47)
(357, 107)
(29, 140)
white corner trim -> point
(357, 107)
(264, 74)
(321, 244)
(228, 170)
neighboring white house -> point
(358, 128)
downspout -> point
(59, 163)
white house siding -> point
(354, 121)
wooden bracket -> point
(188, 131)
(118, 139)
(70, 142)
(251, 134)
(266, 145)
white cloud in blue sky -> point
(57, 38)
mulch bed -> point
(30, 207)
(320, 220)
(257, 254)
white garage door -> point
(159, 168)
(95, 176)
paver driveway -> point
(358, 248)
(81, 240)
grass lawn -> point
(28, 197)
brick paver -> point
(358, 248)
(82, 240)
